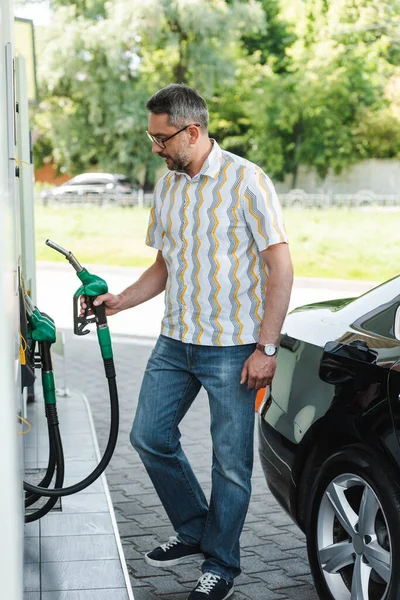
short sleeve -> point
(154, 229)
(263, 212)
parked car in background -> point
(108, 185)
(329, 440)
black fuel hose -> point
(51, 467)
(56, 443)
(58, 491)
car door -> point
(381, 327)
(394, 378)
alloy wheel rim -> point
(353, 540)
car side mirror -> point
(397, 324)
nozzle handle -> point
(100, 313)
(81, 321)
(68, 255)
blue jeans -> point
(174, 375)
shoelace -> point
(171, 542)
(207, 582)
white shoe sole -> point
(229, 593)
(170, 563)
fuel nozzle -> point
(68, 255)
(92, 286)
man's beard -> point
(177, 163)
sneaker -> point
(211, 587)
(171, 553)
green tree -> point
(272, 41)
(96, 74)
(379, 131)
(314, 113)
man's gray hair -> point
(181, 103)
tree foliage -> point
(289, 83)
(96, 74)
(319, 112)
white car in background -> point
(108, 185)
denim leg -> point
(167, 391)
(232, 431)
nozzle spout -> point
(68, 255)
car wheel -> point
(353, 528)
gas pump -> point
(42, 333)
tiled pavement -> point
(274, 556)
(74, 552)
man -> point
(225, 266)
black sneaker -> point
(211, 587)
(171, 553)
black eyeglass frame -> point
(161, 143)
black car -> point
(329, 440)
(108, 185)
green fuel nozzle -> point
(92, 287)
(41, 329)
(41, 326)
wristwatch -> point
(268, 349)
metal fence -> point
(295, 198)
(361, 198)
(137, 198)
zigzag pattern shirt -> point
(211, 229)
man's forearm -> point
(276, 305)
(151, 283)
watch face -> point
(270, 349)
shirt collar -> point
(211, 166)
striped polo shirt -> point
(211, 229)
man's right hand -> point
(112, 303)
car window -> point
(85, 181)
(96, 182)
(380, 321)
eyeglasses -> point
(161, 141)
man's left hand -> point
(258, 370)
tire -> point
(343, 549)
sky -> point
(39, 12)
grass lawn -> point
(338, 243)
